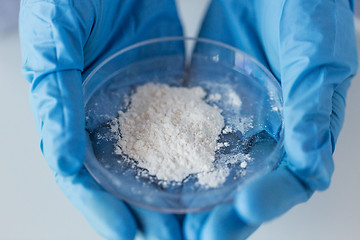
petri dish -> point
(251, 103)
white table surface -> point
(33, 207)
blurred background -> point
(33, 207)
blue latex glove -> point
(310, 47)
(62, 41)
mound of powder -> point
(170, 131)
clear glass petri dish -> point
(251, 103)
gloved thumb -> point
(52, 62)
(270, 196)
(56, 101)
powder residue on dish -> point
(174, 132)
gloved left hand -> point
(62, 41)
(310, 47)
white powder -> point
(214, 97)
(212, 179)
(172, 133)
(234, 99)
(227, 129)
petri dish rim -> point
(277, 150)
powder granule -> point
(170, 131)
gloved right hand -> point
(310, 47)
(62, 41)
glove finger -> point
(52, 63)
(108, 215)
(238, 23)
(193, 224)
(314, 62)
(120, 24)
(155, 225)
(242, 24)
(270, 196)
(338, 110)
(57, 101)
(221, 223)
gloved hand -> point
(62, 41)
(310, 47)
